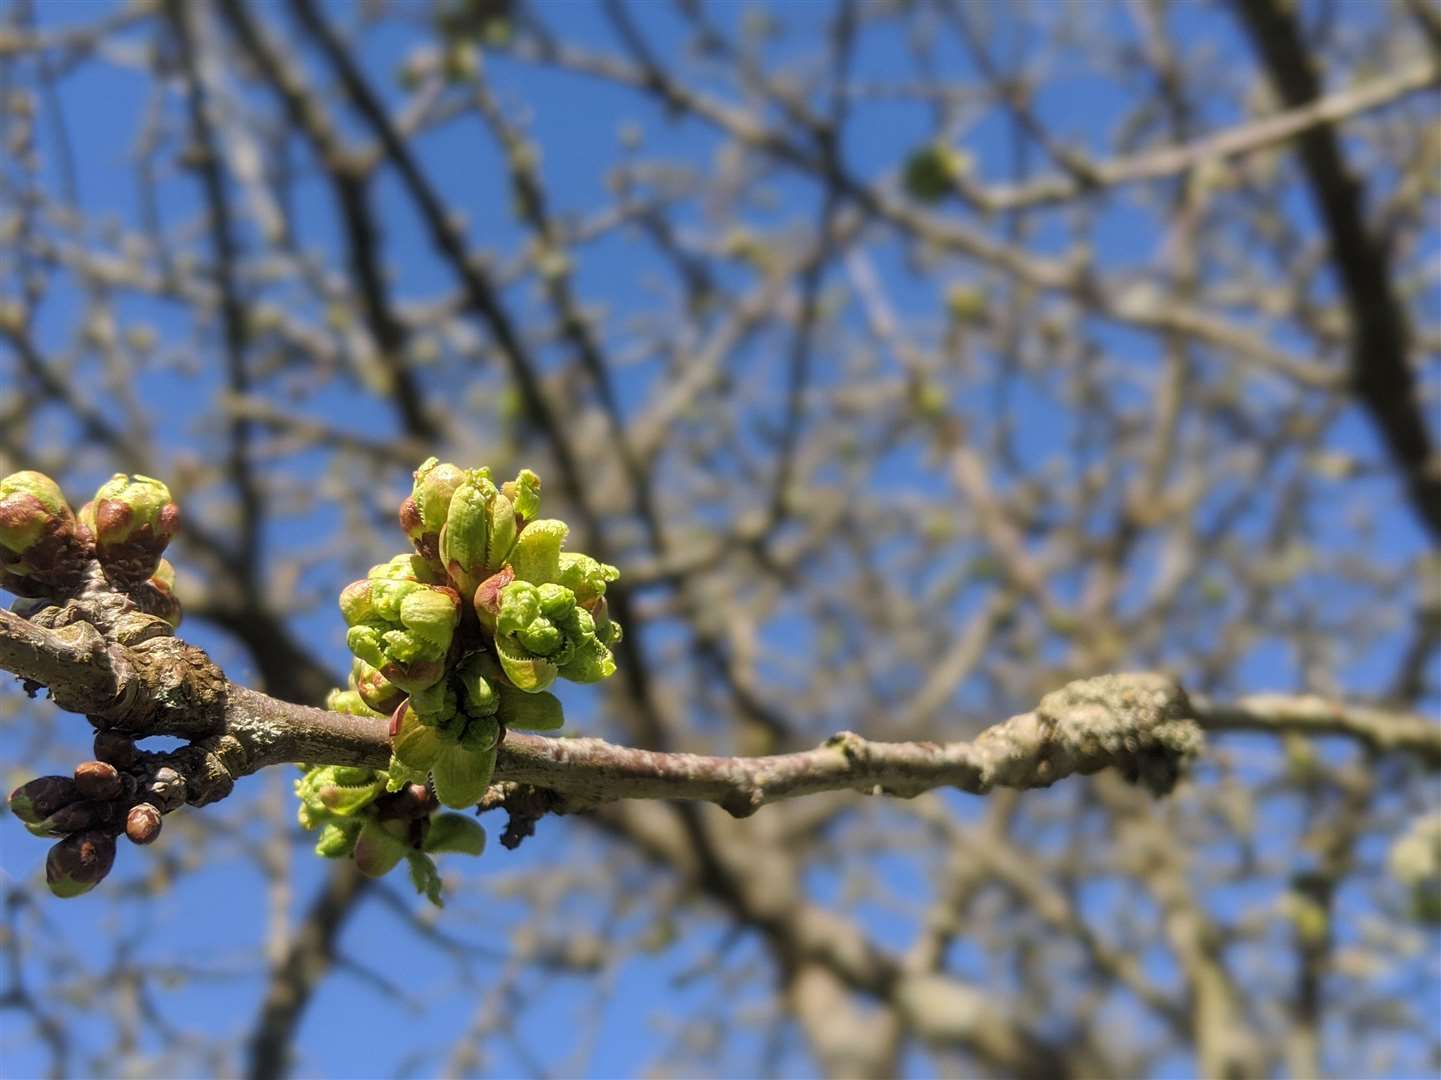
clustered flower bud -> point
(46, 549)
(455, 643)
(43, 547)
(359, 818)
(88, 811)
(132, 519)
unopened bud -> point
(157, 595)
(167, 789)
(423, 513)
(32, 803)
(97, 780)
(41, 544)
(76, 817)
(133, 519)
(142, 824)
(78, 863)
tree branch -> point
(1143, 724)
(1381, 375)
(1307, 714)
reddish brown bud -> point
(32, 803)
(115, 748)
(411, 801)
(157, 597)
(142, 824)
(98, 780)
(487, 593)
(78, 863)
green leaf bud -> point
(337, 840)
(157, 595)
(376, 692)
(530, 712)
(455, 832)
(524, 494)
(356, 606)
(403, 629)
(591, 662)
(364, 641)
(29, 502)
(544, 623)
(932, 172)
(557, 603)
(331, 791)
(501, 533)
(519, 607)
(415, 744)
(351, 775)
(476, 678)
(423, 513)
(380, 845)
(584, 576)
(408, 567)
(434, 704)
(464, 539)
(461, 777)
(349, 701)
(482, 733)
(345, 800)
(526, 672)
(133, 518)
(431, 614)
(536, 554)
(450, 727)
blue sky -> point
(353, 1028)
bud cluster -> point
(124, 792)
(359, 818)
(463, 638)
(46, 549)
(456, 643)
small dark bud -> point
(115, 748)
(143, 823)
(167, 789)
(412, 801)
(78, 816)
(98, 780)
(78, 863)
(157, 597)
(32, 803)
